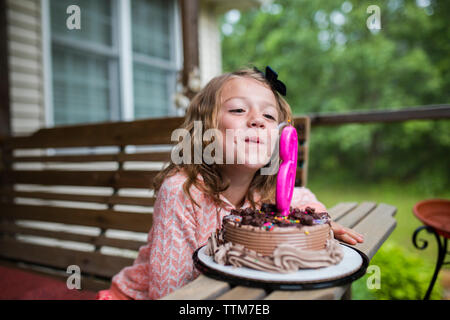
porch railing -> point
(429, 112)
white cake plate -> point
(352, 266)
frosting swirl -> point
(285, 259)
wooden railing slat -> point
(69, 236)
(112, 199)
(118, 179)
(108, 219)
(147, 156)
(89, 262)
(138, 132)
(430, 112)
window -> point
(89, 66)
(154, 72)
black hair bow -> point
(272, 77)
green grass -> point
(402, 196)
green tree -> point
(331, 62)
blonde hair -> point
(205, 107)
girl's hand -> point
(346, 234)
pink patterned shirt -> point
(179, 228)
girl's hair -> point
(205, 107)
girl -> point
(193, 198)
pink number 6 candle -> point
(287, 170)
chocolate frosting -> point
(285, 259)
(266, 241)
(262, 239)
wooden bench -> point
(66, 201)
(375, 221)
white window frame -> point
(122, 32)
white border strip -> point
(49, 120)
(126, 60)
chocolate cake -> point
(263, 239)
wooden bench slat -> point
(116, 179)
(112, 199)
(89, 262)
(243, 293)
(202, 288)
(333, 293)
(138, 132)
(69, 236)
(339, 210)
(376, 227)
(357, 214)
(107, 219)
(116, 157)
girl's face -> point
(248, 120)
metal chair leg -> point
(442, 251)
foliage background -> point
(408, 282)
(332, 63)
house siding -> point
(25, 66)
(210, 55)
